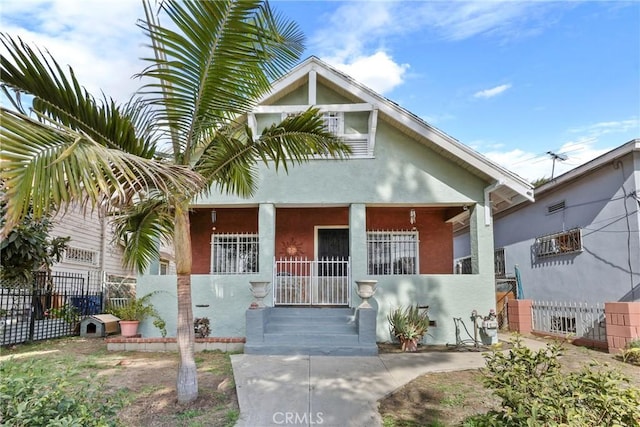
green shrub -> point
(535, 392)
(409, 325)
(631, 353)
(38, 393)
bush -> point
(631, 353)
(535, 392)
(37, 393)
(409, 325)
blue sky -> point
(511, 79)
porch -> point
(312, 257)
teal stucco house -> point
(386, 213)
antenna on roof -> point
(554, 156)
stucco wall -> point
(402, 171)
(601, 272)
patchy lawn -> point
(149, 377)
(446, 399)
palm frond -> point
(217, 63)
(140, 228)
(60, 98)
(54, 166)
(231, 156)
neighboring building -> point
(580, 240)
(385, 213)
(93, 249)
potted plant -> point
(409, 325)
(133, 312)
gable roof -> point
(597, 163)
(507, 187)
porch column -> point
(481, 239)
(358, 240)
(267, 235)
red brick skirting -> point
(120, 339)
(225, 344)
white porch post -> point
(358, 241)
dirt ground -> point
(441, 399)
(446, 399)
(151, 378)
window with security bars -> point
(463, 265)
(234, 253)
(80, 256)
(559, 243)
(392, 252)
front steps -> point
(311, 331)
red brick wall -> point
(623, 324)
(436, 236)
(295, 226)
(239, 220)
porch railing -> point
(300, 281)
(580, 320)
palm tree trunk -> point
(187, 383)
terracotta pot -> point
(129, 328)
(409, 345)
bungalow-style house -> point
(386, 213)
(580, 240)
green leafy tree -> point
(28, 248)
(183, 135)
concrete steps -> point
(310, 331)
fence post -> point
(520, 316)
(623, 324)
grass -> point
(144, 381)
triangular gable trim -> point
(501, 176)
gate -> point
(51, 308)
(505, 291)
(324, 282)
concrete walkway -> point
(332, 390)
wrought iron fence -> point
(577, 319)
(299, 281)
(53, 307)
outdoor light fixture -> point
(412, 216)
(213, 216)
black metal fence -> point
(53, 307)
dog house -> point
(99, 325)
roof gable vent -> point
(556, 207)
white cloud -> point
(462, 20)
(99, 40)
(603, 128)
(532, 166)
(490, 93)
(378, 71)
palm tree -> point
(182, 135)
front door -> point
(332, 284)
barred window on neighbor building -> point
(80, 256)
(234, 253)
(559, 243)
(392, 252)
